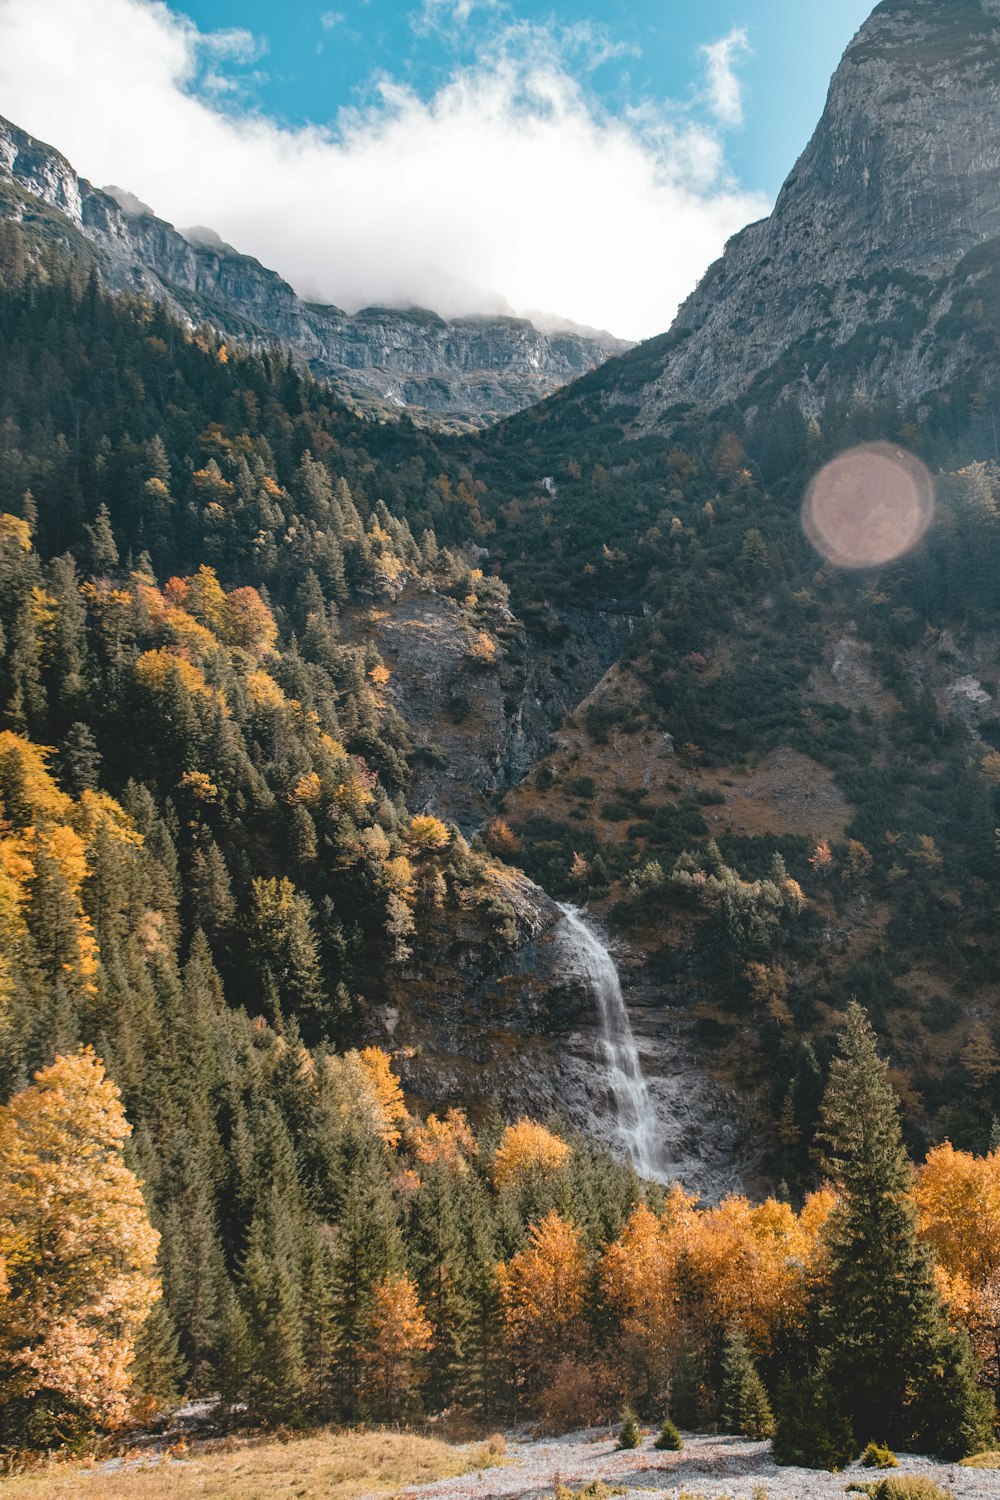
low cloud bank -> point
(511, 188)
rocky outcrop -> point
(470, 370)
(480, 725)
(513, 1026)
(887, 226)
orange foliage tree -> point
(397, 1335)
(958, 1202)
(46, 842)
(684, 1275)
(542, 1294)
(78, 1253)
(363, 1093)
(752, 1263)
(450, 1141)
(640, 1281)
(527, 1151)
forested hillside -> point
(288, 790)
(774, 713)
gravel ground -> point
(706, 1466)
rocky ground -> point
(713, 1467)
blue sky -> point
(467, 155)
(322, 56)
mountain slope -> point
(464, 370)
(889, 217)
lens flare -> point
(868, 506)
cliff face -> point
(889, 220)
(468, 370)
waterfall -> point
(636, 1118)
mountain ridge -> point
(842, 288)
(461, 372)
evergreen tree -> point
(687, 1388)
(102, 551)
(668, 1439)
(159, 1369)
(893, 1366)
(629, 1433)
(368, 1248)
(743, 1403)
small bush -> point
(990, 1460)
(668, 1438)
(580, 786)
(879, 1456)
(902, 1487)
(595, 1490)
(577, 1394)
(629, 1435)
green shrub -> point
(902, 1487)
(629, 1434)
(595, 1490)
(879, 1456)
(668, 1438)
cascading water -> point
(637, 1125)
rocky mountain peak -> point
(897, 185)
(457, 372)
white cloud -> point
(331, 18)
(723, 85)
(457, 10)
(510, 178)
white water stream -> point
(636, 1118)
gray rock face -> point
(888, 219)
(470, 369)
(483, 725)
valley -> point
(493, 920)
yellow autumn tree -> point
(364, 1094)
(449, 1140)
(78, 1252)
(958, 1202)
(397, 1335)
(527, 1151)
(640, 1281)
(542, 1292)
(46, 846)
(427, 834)
(751, 1263)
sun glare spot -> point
(868, 506)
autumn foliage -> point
(77, 1251)
(398, 1334)
(542, 1292)
(527, 1151)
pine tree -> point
(160, 1368)
(272, 1301)
(743, 1403)
(368, 1248)
(102, 552)
(687, 1385)
(629, 1433)
(80, 760)
(893, 1365)
(668, 1439)
(438, 1248)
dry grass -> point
(325, 1466)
